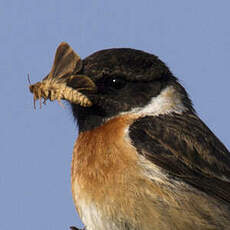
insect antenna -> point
(28, 78)
(29, 81)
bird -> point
(143, 159)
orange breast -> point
(106, 178)
(103, 158)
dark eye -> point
(115, 82)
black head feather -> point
(125, 79)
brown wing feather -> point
(186, 148)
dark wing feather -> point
(186, 148)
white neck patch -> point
(168, 101)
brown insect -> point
(54, 86)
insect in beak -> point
(54, 86)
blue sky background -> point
(192, 37)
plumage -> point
(185, 147)
(143, 159)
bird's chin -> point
(88, 117)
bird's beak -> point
(63, 81)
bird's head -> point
(117, 81)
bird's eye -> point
(115, 82)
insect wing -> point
(66, 62)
